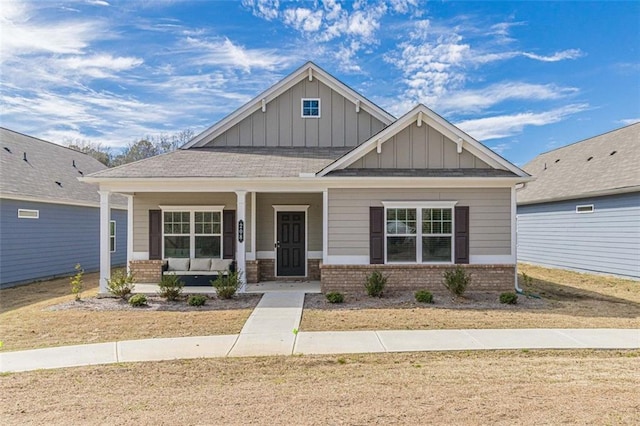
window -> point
(112, 236)
(588, 208)
(420, 232)
(310, 108)
(192, 233)
(28, 214)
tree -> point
(95, 150)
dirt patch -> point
(493, 387)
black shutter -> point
(229, 234)
(462, 234)
(155, 234)
(376, 235)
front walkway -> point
(272, 329)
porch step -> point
(270, 328)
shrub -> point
(375, 284)
(121, 284)
(227, 285)
(334, 297)
(138, 300)
(424, 296)
(170, 287)
(77, 283)
(509, 298)
(456, 280)
(197, 300)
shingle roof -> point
(422, 173)
(31, 168)
(595, 166)
(228, 162)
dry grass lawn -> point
(571, 300)
(26, 322)
(500, 387)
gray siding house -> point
(583, 210)
(49, 220)
(310, 180)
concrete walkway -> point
(272, 330)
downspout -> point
(514, 206)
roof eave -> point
(601, 193)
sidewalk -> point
(270, 331)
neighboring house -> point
(310, 180)
(49, 220)
(583, 210)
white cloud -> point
(98, 66)
(629, 121)
(98, 3)
(225, 53)
(508, 125)
(304, 20)
(558, 56)
(266, 9)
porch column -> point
(105, 254)
(241, 208)
(129, 232)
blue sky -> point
(521, 77)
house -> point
(49, 220)
(310, 180)
(583, 210)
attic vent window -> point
(613, 152)
(590, 158)
(28, 214)
(587, 208)
(310, 108)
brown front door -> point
(290, 244)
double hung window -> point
(192, 233)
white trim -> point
(114, 236)
(419, 204)
(514, 237)
(105, 254)
(590, 208)
(292, 208)
(250, 256)
(347, 260)
(279, 88)
(130, 231)
(5, 196)
(496, 259)
(28, 214)
(265, 255)
(310, 116)
(241, 251)
(325, 225)
(177, 208)
(592, 194)
(314, 255)
(140, 255)
(254, 249)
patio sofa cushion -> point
(177, 264)
(220, 264)
(200, 264)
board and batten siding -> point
(143, 202)
(605, 241)
(419, 148)
(50, 246)
(339, 125)
(265, 238)
(489, 225)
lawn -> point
(489, 387)
(27, 322)
(568, 300)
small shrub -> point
(424, 296)
(334, 297)
(457, 280)
(375, 284)
(509, 298)
(121, 284)
(170, 287)
(196, 300)
(138, 300)
(227, 285)
(77, 283)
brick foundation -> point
(313, 269)
(266, 270)
(251, 272)
(351, 278)
(146, 271)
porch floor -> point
(262, 287)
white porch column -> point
(241, 218)
(325, 226)
(105, 254)
(129, 231)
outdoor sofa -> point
(198, 271)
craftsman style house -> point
(311, 180)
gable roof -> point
(228, 162)
(308, 70)
(604, 164)
(422, 114)
(31, 168)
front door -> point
(290, 244)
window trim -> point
(27, 212)
(112, 237)
(192, 229)
(590, 208)
(310, 116)
(419, 206)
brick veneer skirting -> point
(251, 274)
(351, 278)
(146, 271)
(266, 271)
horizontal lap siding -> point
(490, 224)
(52, 245)
(606, 241)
